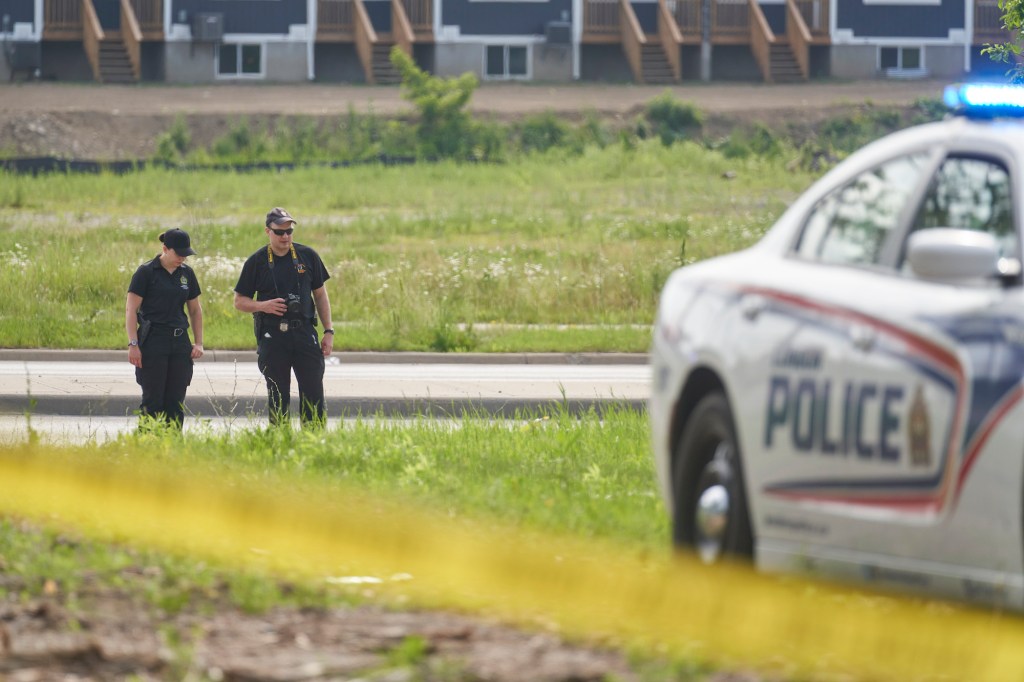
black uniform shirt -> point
(260, 282)
(164, 293)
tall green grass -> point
(588, 476)
(415, 251)
(548, 471)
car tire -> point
(711, 513)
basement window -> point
(901, 61)
(240, 60)
(505, 62)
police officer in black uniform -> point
(281, 284)
(154, 318)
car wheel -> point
(710, 503)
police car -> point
(845, 397)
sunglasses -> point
(281, 233)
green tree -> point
(1010, 51)
(444, 129)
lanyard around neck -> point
(295, 257)
(295, 262)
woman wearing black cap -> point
(154, 318)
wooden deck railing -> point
(671, 39)
(62, 19)
(632, 39)
(334, 19)
(761, 39)
(420, 14)
(815, 16)
(92, 36)
(799, 38)
(149, 14)
(366, 37)
(601, 19)
(988, 23)
(131, 36)
(730, 20)
(401, 29)
(687, 16)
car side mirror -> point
(952, 255)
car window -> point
(971, 194)
(849, 225)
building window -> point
(897, 60)
(240, 61)
(506, 61)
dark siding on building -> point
(65, 61)
(775, 15)
(246, 16)
(733, 63)
(503, 18)
(647, 14)
(19, 11)
(153, 62)
(337, 63)
(108, 12)
(379, 12)
(606, 63)
(900, 21)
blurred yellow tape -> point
(727, 616)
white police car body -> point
(845, 398)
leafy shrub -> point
(593, 132)
(671, 119)
(541, 132)
(490, 141)
(928, 109)
(444, 129)
(241, 145)
(172, 146)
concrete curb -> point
(121, 406)
(362, 357)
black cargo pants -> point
(281, 352)
(165, 374)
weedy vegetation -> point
(487, 237)
(585, 476)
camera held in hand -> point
(294, 307)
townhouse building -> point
(647, 41)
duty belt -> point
(285, 324)
(173, 331)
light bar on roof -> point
(985, 99)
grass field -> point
(422, 257)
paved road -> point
(102, 383)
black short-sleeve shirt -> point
(260, 282)
(164, 293)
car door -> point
(878, 484)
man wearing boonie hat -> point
(154, 319)
(280, 285)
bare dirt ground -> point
(103, 635)
(88, 121)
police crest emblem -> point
(919, 431)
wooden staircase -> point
(115, 66)
(384, 72)
(654, 63)
(783, 64)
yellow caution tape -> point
(725, 615)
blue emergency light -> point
(985, 100)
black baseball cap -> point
(279, 215)
(178, 240)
